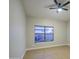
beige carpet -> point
(62, 52)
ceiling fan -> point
(59, 6)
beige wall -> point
(17, 36)
(60, 32)
(68, 32)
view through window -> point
(44, 33)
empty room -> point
(39, 29)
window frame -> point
(45, 40)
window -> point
(44, 33)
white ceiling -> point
(36, 8)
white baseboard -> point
(45, 47)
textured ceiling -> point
(36, 8)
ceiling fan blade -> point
(56, 2)
(65, 9)
(65, 4)
(52, 8)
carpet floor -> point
(62, 52)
